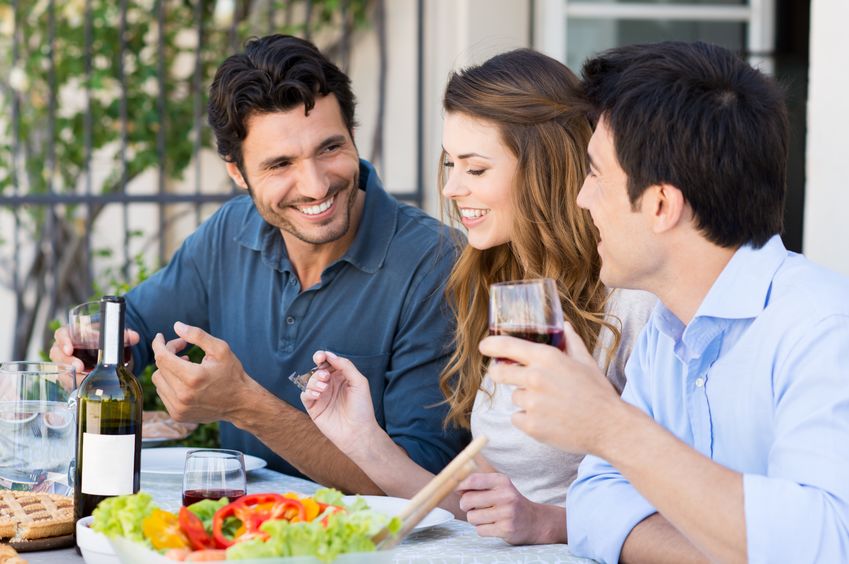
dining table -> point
(453, 541)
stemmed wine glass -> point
(527, 309)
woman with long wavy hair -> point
(514, 157)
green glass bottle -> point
(109, 419)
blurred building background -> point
(106, 163)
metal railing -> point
(54, 191)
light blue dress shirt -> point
(759, 382)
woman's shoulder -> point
(630, 309)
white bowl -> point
(95, 546)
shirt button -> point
(293, 281)
(700, 382)
(290, 320)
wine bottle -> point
(109, 419)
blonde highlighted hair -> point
(535, 102)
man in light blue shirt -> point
(731, 439)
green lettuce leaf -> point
(205, 510)
(123, 515)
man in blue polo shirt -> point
(731, 440)
(319, 257)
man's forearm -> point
(697, 496)
(292, 434)
(655, 541)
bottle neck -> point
(112, 333)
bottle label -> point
(108, 464)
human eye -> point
(447, 164)
(476, 171)
(332, 148)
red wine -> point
(194, 496)
(89, 356)
(546, 335)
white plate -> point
(172, 460)
(394, 506)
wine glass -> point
(213, 474)
(527, 309)
(84, 329)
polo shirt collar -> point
(377, 223)
(370, 246)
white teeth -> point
(472, 213)
(315, 210)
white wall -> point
(459, 33)
(826, 236)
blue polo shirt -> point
(381, 305)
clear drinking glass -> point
(527, 309)
(213, 474)
(37, 430)
(84, 329)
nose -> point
(453, 188)
(584, 194)
(313, 183)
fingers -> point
(575, 347)
(164, 390)
(316, 384)
(479, 481)
(347, 368)
(197, 336)
(164, 356)
(174, 346)
(518, 350)
(483, 464)
(512, 374)
(131, 337)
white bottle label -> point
(108, 464)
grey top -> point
(542, 473)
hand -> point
(62, 349)
(560, 395)
(338, 400)
(195, 392)
(497, 509)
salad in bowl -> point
(257, 526)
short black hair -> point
(275, 73)
(698, 117)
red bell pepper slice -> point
(192, 526)
(254, 510)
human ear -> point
(236, 175)
(667, 207)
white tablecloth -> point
(455, 542)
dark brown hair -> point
(275, 73)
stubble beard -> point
(320, 238)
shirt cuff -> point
(600, 514)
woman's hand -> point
(339, 402)
(497, 509)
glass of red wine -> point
(527, 309)
(213, 473)
(84, 327)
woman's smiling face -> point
(479, 177)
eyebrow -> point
(469, 155)
(272, 162)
